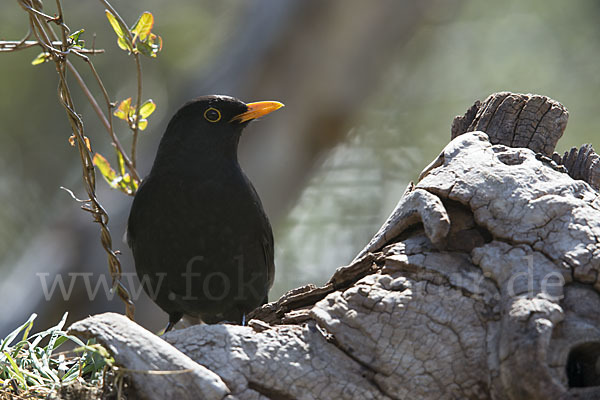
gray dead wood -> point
(482, 284)
(532, 121)
(516, 120)
(167, 372)
(582, 163)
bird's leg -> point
(169, 326)
(173, 319)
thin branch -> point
(118, 17)
(138, 64)
(130, 164)
(43, 41)
(89, 96)
(47, 39)
(14, 45)
(64, 28)
(136, 127)
(106, 122)
(32, 10)
(73, 195)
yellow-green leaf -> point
(123, 44)
(143, 124)
(120, 30)
(124, 110)
(131, 184)
(134, 184)
(106, 170)
(41, 58)
(143, 26)
(121, 161)
(147, 108)
(115, 24)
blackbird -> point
(201, 241)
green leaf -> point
(56, 332)
(124, 110)
(143, 124)
(11, 336)
(149, 47)
(74, 37)
(106, 170)
(120, 30)
(41, 58)
(143, 26)
(60, 340)
(16, 370)
(75, 340)
(27, 330)
(42, 367)
(147, 108)
(145, 49)
(71, 374)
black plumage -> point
(202, 243)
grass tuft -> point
(32, 367)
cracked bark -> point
(482, 284)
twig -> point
(136, 127)
(73, 195)
(32, 10)
(138, 65)
(14, 45)
(89, 95)
(47, 39)
(109, 105)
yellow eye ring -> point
(212, 115)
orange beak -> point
(256, 110)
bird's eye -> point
(212, 115)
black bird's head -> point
(208, 128)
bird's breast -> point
(196, 203)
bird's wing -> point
(268, 249)
(135, 214)
(266, 236)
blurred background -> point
(370, 89)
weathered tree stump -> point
(482, 284)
